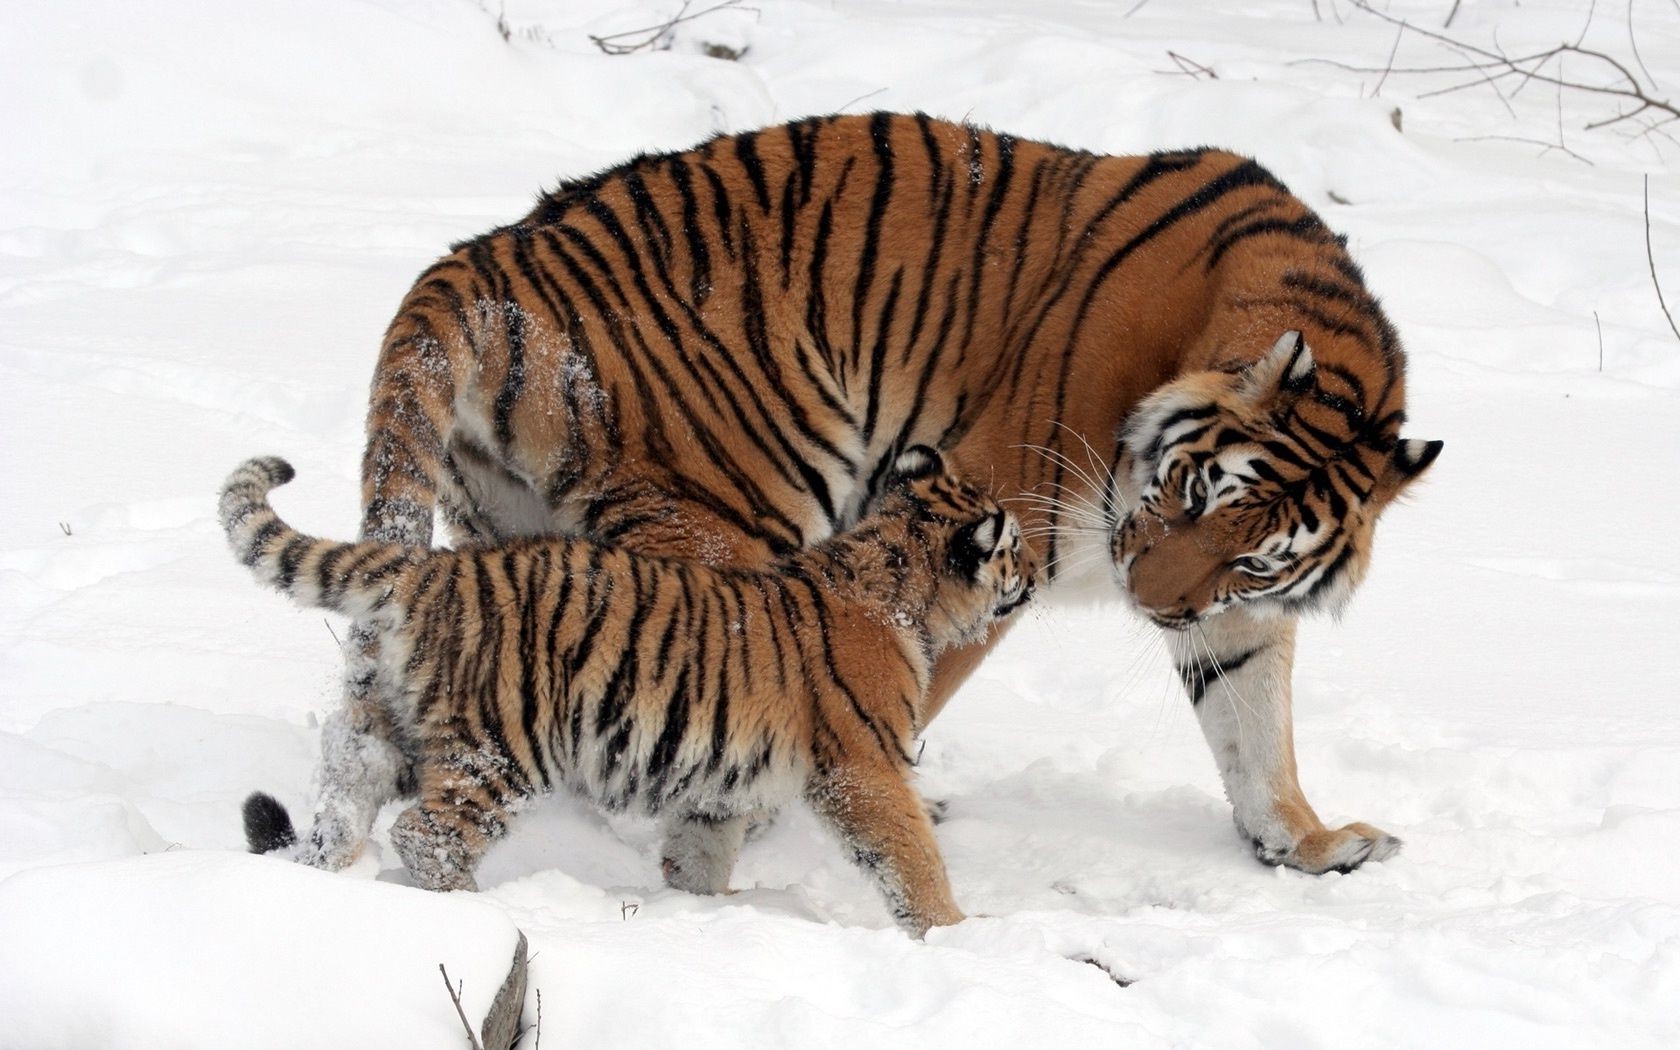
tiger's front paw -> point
(1341, 849)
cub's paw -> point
(1341, 850)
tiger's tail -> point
(356, 579)
(361, 580)
(268, 827)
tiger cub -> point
(696, 693)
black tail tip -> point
(278, 470)
(268, 826)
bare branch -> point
(1546, 147)
(648, 37)
(1451, 15)
(1633, 43)
(455, 997)
(1651, 259)
(1388, 67)
(1492, 64)
(1190, 67)
(860, 98)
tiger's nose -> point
(1176, 618)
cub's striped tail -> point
(357, 579)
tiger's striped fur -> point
(718, 353)
(702, 694)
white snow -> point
(208, 212)
(195, 949)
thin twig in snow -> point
(860, 98)
(332, 632)
(1633, 42)
(1492, 66)
(1545, 147)
(1190, 67)
(648, 37)
(455, 997)
(1388, 68)
(1651, 259)
(1600, 326)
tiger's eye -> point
(1195, 497)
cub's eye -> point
(1253, 565)
(1195, 496)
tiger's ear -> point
(1410, 458)
(918, 461)
(1287, 368)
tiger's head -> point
(1256, 487)
(981, 570)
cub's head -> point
(982, 571)
(1258, 487)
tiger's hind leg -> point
(361, 769)
(700, 851)
(1236, 670)
(881, 821)
(365, 759)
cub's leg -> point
(361, 769)
(700, 851)
(645, 517)
(1236, 670)
(466, 801)
(883, 825)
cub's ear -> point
(1287, 368)
(1410, 458)
(918, 461)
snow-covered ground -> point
(208, 211)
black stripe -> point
(1199, 675)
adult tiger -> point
(718, 353)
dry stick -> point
(455, 997)
(1633, 42)
(1451, 15)
(1651, 259)
(860, 98)
(609, 43)
(1496, 65)
(1545, 147)
(1600, 326)
(1190, 67)
(1376, 92)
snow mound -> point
(209, 949)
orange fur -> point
(697, 693)
(717, 353)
